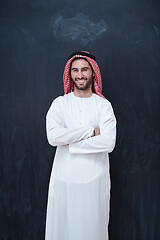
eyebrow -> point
(81, 68)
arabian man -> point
(82, 125)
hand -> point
(96, 132)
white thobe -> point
(79, 188)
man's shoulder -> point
(61, 99)
(102, 101)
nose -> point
(80, 74)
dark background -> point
(36, 39)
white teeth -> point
(80, 81)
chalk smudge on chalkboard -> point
(80, 27)
(157, 31)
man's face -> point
(81, 74)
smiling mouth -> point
(81, 81)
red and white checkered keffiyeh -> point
(97, 84)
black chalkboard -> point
(36, 39)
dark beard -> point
(89, 83)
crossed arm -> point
(84, 139)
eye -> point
(85, 69)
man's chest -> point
(81, 113)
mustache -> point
(82, 78)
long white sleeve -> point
(104, 142)
(57, 133)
